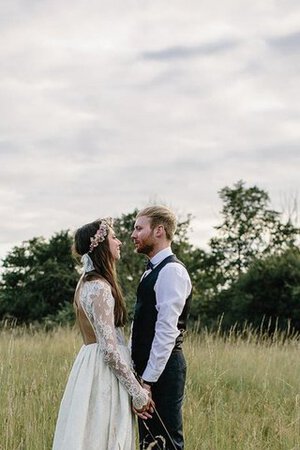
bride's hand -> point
(147, 410)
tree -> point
(39, 279)
(250, 230)
(268, 295)
(40, 276)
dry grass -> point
(242, 393)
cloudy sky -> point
(109, 105)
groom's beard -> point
(145, 249)
(146, 245)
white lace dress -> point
(95, 411)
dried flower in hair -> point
(101, 233)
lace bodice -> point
(98, 303)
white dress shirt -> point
(172, 287)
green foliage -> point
(268, 295)
(249, 272)
(64, 316)
(250, 230)
(39, 278)
(203, 277)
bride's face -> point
(114, 244)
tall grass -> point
(33, 370)
(243, 390)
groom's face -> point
(142, 236)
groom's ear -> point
(159, 231)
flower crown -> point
(101, 233)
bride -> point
(95, 411)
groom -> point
(163, 299)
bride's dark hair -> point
(104, 264)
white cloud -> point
(106, 105)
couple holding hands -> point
(106, 382)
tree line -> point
(249, 274)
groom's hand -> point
(145, 412)
(146, 386)
(151, 404)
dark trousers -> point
(167, 394)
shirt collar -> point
(160, 256)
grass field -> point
(242, 393)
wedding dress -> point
(95, 411)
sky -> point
(107, 106)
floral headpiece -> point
(101, 233)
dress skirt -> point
(95, 411)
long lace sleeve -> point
(100, 308)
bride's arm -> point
(103, 315)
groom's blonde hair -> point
(161, 215)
